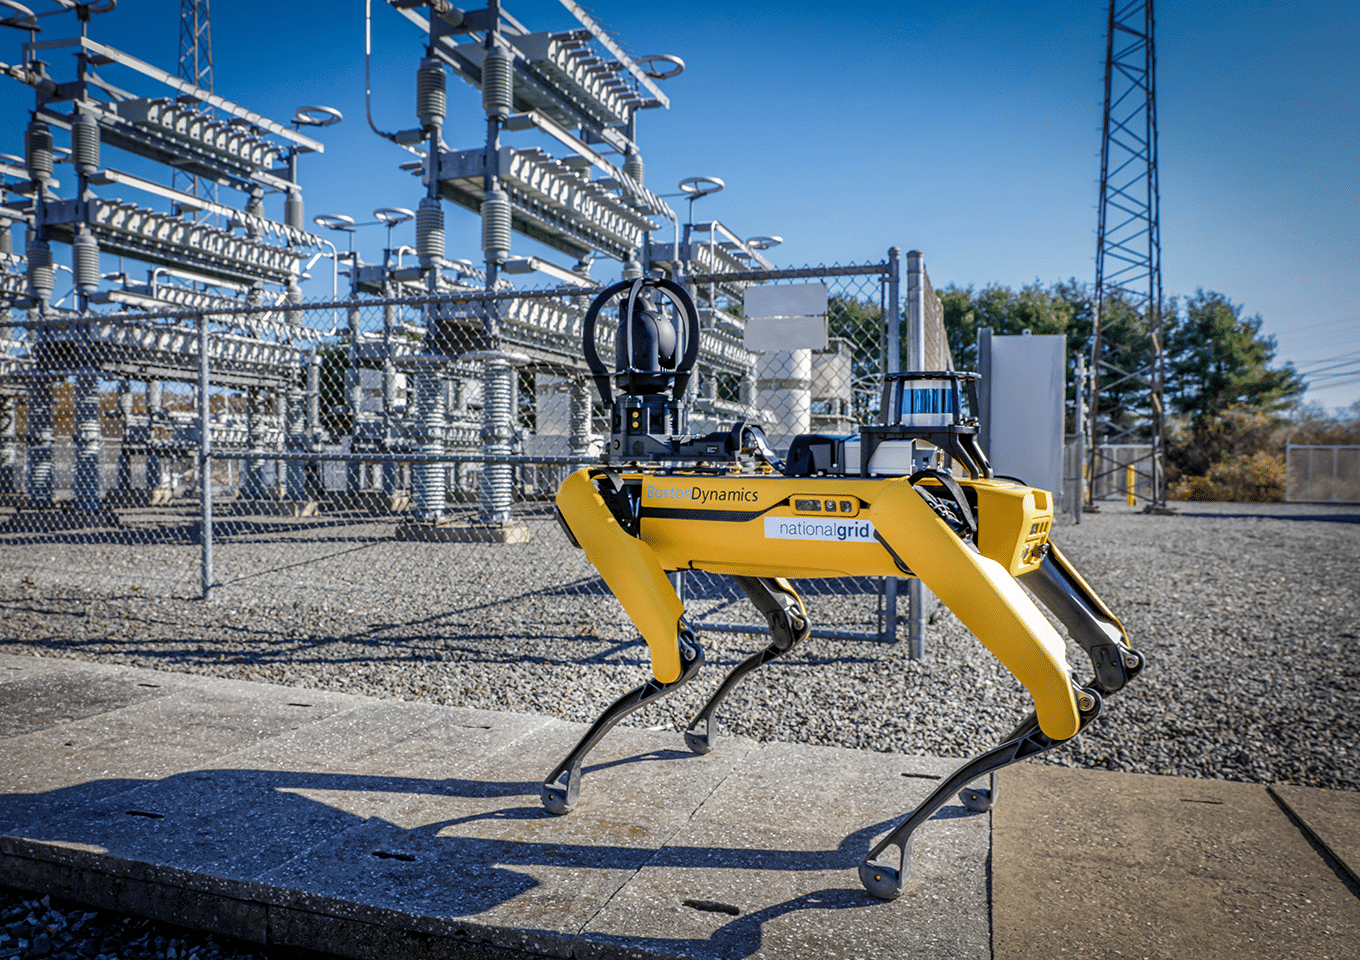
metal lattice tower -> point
(1128, 258)
(195, 66)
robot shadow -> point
(382, 842)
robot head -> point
(656, 343)
(655, 347)
(647, 346)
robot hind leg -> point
(789, 626)
(562, 786)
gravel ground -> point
(67, 931)
(1249, 616)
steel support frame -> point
(1128, 250)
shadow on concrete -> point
(275, 837)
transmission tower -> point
(1128, 271)
(195, 66)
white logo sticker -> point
(811, 528)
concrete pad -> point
(1109, 864)
(1331, 817)
(767, 867)
(142, 889)
(479, 853)
(297, 817)
(194, 817)
(793, 782)
(381, 738)
(209, 822)
(39, 699)
(179, 724)
(719, 890)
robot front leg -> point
(789, 626)
(630, 568)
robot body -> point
(726, 504)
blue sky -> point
(967, 130)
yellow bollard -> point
(1129, 483)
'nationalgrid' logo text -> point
(803, 528)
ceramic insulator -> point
(498, 84)
(430, 231)
(496, 225)
(430, 93)
(85, 253)
(38, 150)
(85, 144)
(293, 211)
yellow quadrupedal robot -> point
(833, 507)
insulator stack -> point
(40, 271)
(87, 442)
(428, 479)
(38, 150)
(292, 211)
(632, 270)
(498, 83)
(430, 232)
(252, 479)
(255, 208)
(633, 167)
(85, 144)
(430, 95)
(580, 413)
(498, 435)
(85, 254)
(41, 477)
(496, 226)
(295, 426)
(6, 238)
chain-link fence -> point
(1322, 474)
(1122, 470)
(375, 442)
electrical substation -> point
(443, 387)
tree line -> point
(1230, 404)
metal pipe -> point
(916, 311)
(205, 504)
(918, 597)
(917, 618)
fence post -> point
(892, 361)
(205, 505)
(917, 596)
